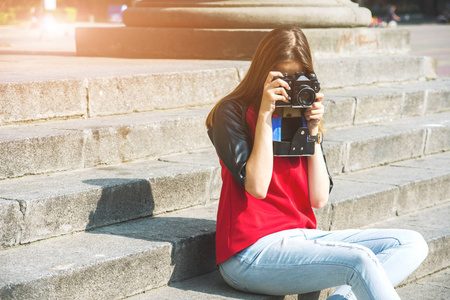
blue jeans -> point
(365, 264)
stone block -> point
(335, 155)
(381, 101)
(140, 93)
(432, 287)
(191, 233)
(418, 187)
(11, 222)
(370, 202)
(353, 71)
(360, 147)
(429, 67)
(424, 193)
(383, 107)
(374, 145)
(386, 149)
(324, 217)
(139, 136)
(339, 111)
(438, 253)
(84, 266)
(438, 140)
(41, 100)
(361, 40)
(207, 158)
(62, 203)
(74, 144)
(31, 149)
(109, 86)
(414, 104)
(205, 287)
(209, 43)
(433, 162)
(438, 100)
(184, 43)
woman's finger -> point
(281, 91)
(270, 77)
(319, 97)
(279, 83)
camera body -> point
(303, 90)
(290, 132)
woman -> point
(266, 241)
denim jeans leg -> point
(399, 251)
(292, 264)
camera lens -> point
(306, 96)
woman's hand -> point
(314, 115)
(274, 90)
(260, 163)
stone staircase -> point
(109, 183)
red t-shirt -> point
(243, 219)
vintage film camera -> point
(290, 133)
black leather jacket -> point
(232, 139)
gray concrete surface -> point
(231, 44)
(426, 39)
(83, 143)
(111, 262)
(212, 286)
(62, 203)
(434, 287)
(74, 87)
(432, 40)
(114, 261)
(92, 269)
(56, 204)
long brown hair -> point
(277, 46)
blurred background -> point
(33, 12)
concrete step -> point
(433, 223)
(212, 286)
(43, 206)
(433, 287)
(45, 199)
(74, 144)
(210, 43)
(33, 89)
(77, 144)
(360, 147)
(385, 192)
(385, 102)
(81, 87)
(126, 259)
(114, 261)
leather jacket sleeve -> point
(230, 137)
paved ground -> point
(427, 39)
(432, 40)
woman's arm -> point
(260, 163)
(318, 180)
